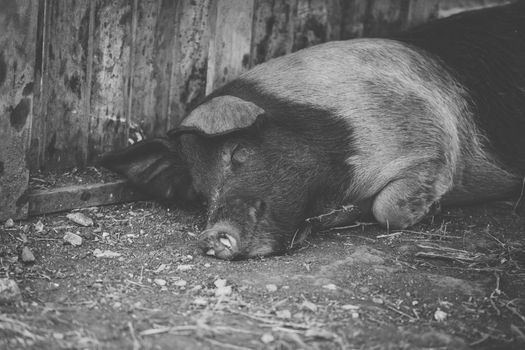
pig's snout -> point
(222, 240)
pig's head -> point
(262, 172)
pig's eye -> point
(240, 154)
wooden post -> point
(231, 36)
(18, 25)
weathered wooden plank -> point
(112, 36)
(230, 42)
(385, 17)
(73, 197)
(421, 11)
(62, 131)
(18, 27)
(273, 29)
(190, 58)
(354, 13)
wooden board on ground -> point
(17, 58)
(81, 196)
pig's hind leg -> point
(405, 201)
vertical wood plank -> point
(421, 11)
(273, 29)
(385, 17)
(317, 21)
(112, 37)
(190, 58)
(147, 75)
(18, 21)
(61, 127)
(354, 13)
(230, 42)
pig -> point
(389, 129)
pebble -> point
(105, 254)
(271, 288)
(377, 300)
(330, 286)
(283, 314)
(180, 283)
(73, 239)
(200, 301)
(159, 282)
(9, 223)
(184, 267)
(308, 305)
(267, 338)
(440, 315)
(27, 255)
(223, 291)
(80, 219)
(219, 283)
(39, 226)
(9, 291)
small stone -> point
(377, 300)
(80, 219)
(9, 223)
(286, 314)
(350, 307)
(180, 283)
(220, 283)
(105, 234)
(9, 291)
(440, 315)
(105, 254)
(73, 239)
(159, 282)
(267, 338)
(58, 336)
(308, 305)
(271, 288)
(355, 315)
(330, 286)
(39, 226)
(184, 267)
(223, 291)
(27, 255)
(200, 301)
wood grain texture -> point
(112, 36)
(230, 42)
(190, 59)
(18, 27)
(81, 196)
(62, 128)
(273, 29)
(385, 17)
(317, 21)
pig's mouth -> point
(222, 242)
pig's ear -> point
(155, 167)
(220, 115)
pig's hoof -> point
(220, 244)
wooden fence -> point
(76, 75)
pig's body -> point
(392, 127)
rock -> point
(73, 239)
(330, 286)
(219, 283)
(223, 291)
(286, 314)
(105, 254)
(271, 288)
(267, 338)
(80, 219)
(39, 226)
(159, 282)
(9, 291)
(308, 305)
(9, 223)
(440, 315)
(200, 301)
(377, 300)
(27, 255)
(184, 267)
(180, 283)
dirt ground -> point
(456, 281)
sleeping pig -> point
(386, 128)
